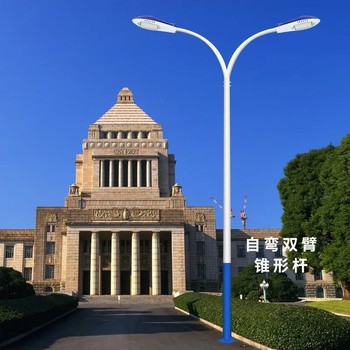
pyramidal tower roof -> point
(125, 111)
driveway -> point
(126, 327)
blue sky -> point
(63, 62)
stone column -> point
(72, 261)
(120, 173)
(139, 168)
(115, 264)
(135, 263)
(148, 173)
(102, 173)
(178, 259)
(111, 173)
(156, 290)
(94, 265)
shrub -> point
(20, 315)
(13, 285)
(278, 326)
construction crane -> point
(243, 213)
(220, 206)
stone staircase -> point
(126, 299)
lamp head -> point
(300, 23)
(152, 23)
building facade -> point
(125, 227)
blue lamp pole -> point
(300, 23)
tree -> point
(247, 284)
(281, 288)
(13, 285)
(315, 195)
(334, 215)
(301, 195)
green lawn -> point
(338, 306)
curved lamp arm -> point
(210, 44)
(241, 47)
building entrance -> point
(125, 282)
(86, 282)
(164, 282)
(145, 283)
(106, 283)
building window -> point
(124, 246)
(339, 292)
(128, 246)
(105, 173)
(49, 271)
(199, 227)
(104, 134)
(144, 246)
(299, 276)
(240, 251)
(50, 228)
(133, 173)
(9, 249)
(27, 273)
(125, 172)
(163, 246)
(48, 289)
(260, 253)
(318, 275)
(106, 246)
(319, 292)
(50, 247)
(86, 246)
(278, 253)
(201, 271)
(28, 251)
(200, 248)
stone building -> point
(125, 227)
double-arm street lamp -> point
(300, 23)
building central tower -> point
(125, 227)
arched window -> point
(319, 292)
(48, 289)
(339, 292)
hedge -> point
(20, 315)
(278, 326)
